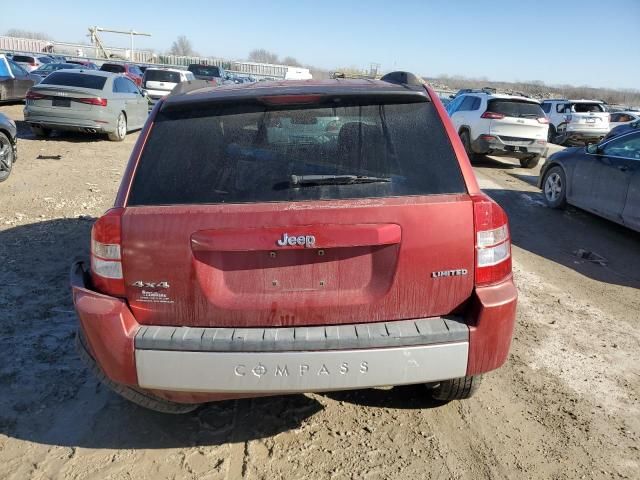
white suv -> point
(158, 82)
(503, 125)
(576, 121)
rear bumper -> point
(577, 133)
(496, 146)
(202, 364)
(100, 123)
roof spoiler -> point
(403, 78)
(191, 85)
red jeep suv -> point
(296, 236)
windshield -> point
(255, 154)
(161, 76)
(587, 107)
(205, 70)
(75, 80)
(111, 67)
(515, 108)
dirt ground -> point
(565, 406)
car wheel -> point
(530, 162)
(40, 131)
(554, 187)
(551, 136)
(456, 388)
(465, 138)
(6, 157)
(121, 129)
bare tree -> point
(14, 32)
(291, 61)
(182, 47)
(260, 55)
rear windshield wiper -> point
(310, 180)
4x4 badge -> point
(141, 284)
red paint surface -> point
(491, 319)
(377, 280)
(109, 328)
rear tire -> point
(40, 132)
(456, 388)
(139, 397)
(121, 129)
(6, 157)
(530, 162)
(554, 187)
(465, 138)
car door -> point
(127, 91)
(22, 81)
(138, 105)
(461, 115)
(631, 212)
(613, 168)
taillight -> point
(33, 64)
(106, 254)
(100, 102)
(544, 120)
(493, 242)
(492, 115)
(34, 96)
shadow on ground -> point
(560, 236)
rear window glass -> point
(161, 76)
(205, 70)
(22, 58)
(45, 59)
(587, 107)
(515, 108)
(110, 67)
(75, 80)
(252, 153)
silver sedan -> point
(87, 101)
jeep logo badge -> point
(307, 241)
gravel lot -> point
(566, 405)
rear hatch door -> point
(160, 80)
(520, 123)
(589, 115)
(269, 222)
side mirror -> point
(593, 148)
(452, 96)
(144, 93)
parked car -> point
(622, 118)
(85, 63)
(576, 121)
(58, 58)
(45, 70)
(31, 62)
(624, 128)
(92, 102)
(247, 255)
(14, 80)
(503, 125)
(158, 82)
(129, 70)
(8, 146)
(602, 178)
(208, 72)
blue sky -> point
(586, 42)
